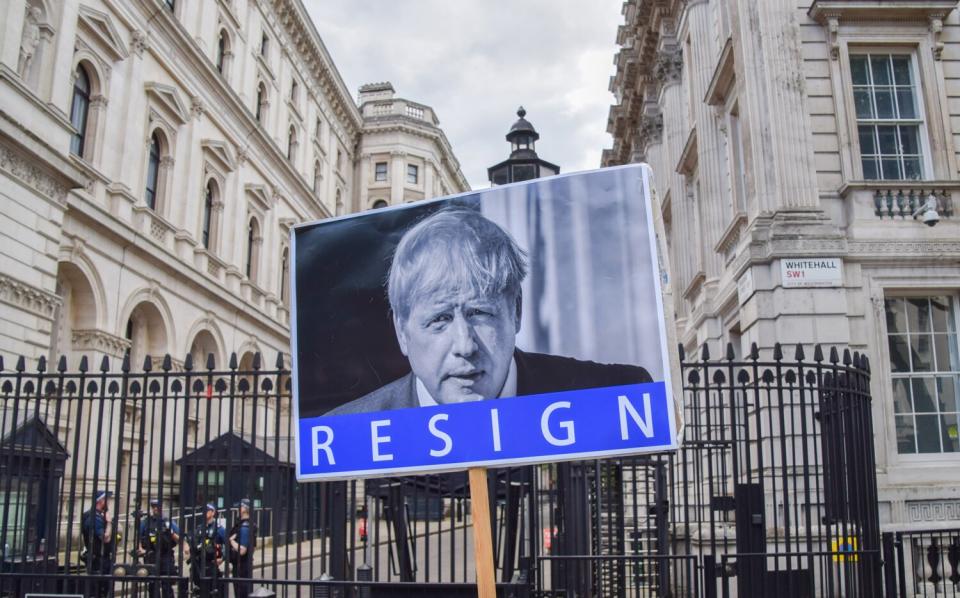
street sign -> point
(811, 272)
(543, 295)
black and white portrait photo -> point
(543, 287)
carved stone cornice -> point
(100, 341)
(28, 298)
(669, 66)
(32, 175)
(651, 128)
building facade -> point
(156, 154)
(799, 149)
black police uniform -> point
(156, 538)
(242, 565)
(99, 555)
(205, 548)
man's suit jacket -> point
(536, 374)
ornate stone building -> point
(154, 155)
(798, 150)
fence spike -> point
(167, 363)
(42, 364)
(61, 364)
(730, 354)
(834, 356)
(233, 360)
(125, 365)
(754, 351)
(210, 361)
(817, 353)
(256, 360)
(21, 364)
(798, 354)
(856, 359)
(105, 364)
(83, 364)
(147, 364)
(777, 352)
(682, 352)
(188, 362)
(846, 357)
(705, 352)
(1, 363)
(279, 360)
(866, 364)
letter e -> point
(376, 440)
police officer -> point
(96, 531)
(158, 538)
(206, 553)
(242, 542)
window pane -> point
(911, 168)
(891, 169)
(884, 99)
(858, 70)
(861, 98)
(888, 140)
(947, 398)
(942, 316)
(924, 394)
(896, 317)
(921, 349)
(871, 170)
(905, 103)
(905, 434)
(918, 314)
(949, 433)
(901, 396)
(867, 145)
(910, 139)
(945, 347)
(901, 70)
(899, 354)
(928, 433)
(880, 65)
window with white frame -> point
(380, 171)
(925, 370)
(889, 118)
(413, 174)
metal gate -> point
(773, 492)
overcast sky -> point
(476, 61)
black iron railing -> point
(773, 492)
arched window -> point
(294, 88)
(261, 102)
(318, 130)
(207, 214)
(284, 266)
(221, 51)
(79, 109)
(317, 176)
(339, 204)
(379, 204)
(292, 144)
(153, 172)
(253, 234)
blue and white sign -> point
(519, 324)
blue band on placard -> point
(563, 425)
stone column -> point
(11, 32)
(711, 162)
(773, 105)
(134, 102)
(398, 177)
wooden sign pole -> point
(482, 538)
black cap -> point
(154, 502)
(245, 502)
(210, 507)
(101, 494)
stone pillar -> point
(398, 177)
(711, 162)
(429, 167)
(773, 105)
(134, 102)
(11, 32)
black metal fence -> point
(773, 492)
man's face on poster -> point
(460, 343)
